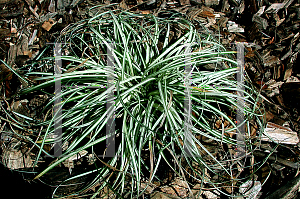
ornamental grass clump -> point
(150, 56)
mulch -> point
(269, 29)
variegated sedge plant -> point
(149, 54)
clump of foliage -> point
(150, 56)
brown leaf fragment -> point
(145, 12)
(51, 6)
(222, 21)
(250, 53)
(160, 195)
(211, 2)
(11, 8)
(278, 20)
(47, 25)
(177, 188)
(13, 30)
(123, 5)
(22, 45)
(29, 53)
(274, 8)
(262, 23)
(273, 87)
(242, 8)
(278, 71)
(206, 13)
(288, 73)
(184, 2)
(12, 53)
(150, 187)
(270, 60)
(279, 134)
(225, 6)
(15, 159)
(210, 194)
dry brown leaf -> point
(14, 159)
(279, 134)
(211, 2)
(47, 25)
(206, 13)
(29, 53)
(123, 5)
(288, 73)
(184, 2)
(145, 12)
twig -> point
(32, 10)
